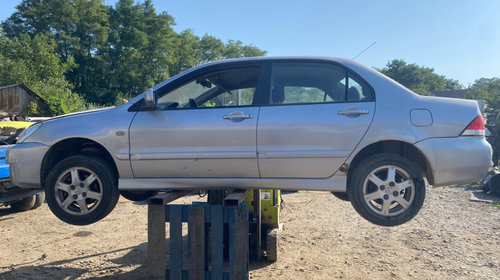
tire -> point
(341, 195)
(81, 190)
(24, 204)
(383, 197)
(39, 199)
(138, 195)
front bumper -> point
(457, 160)
(25, 160)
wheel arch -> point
(70, 147)
(401, 148)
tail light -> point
(475, 127)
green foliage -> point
(116, 52)
(488, 90)
(211, 48)
(141, 44)
(235, 49)
(33, 109)
(32, 61)
(186, 52)
(419, 79)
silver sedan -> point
(295, 123)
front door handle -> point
(237, 116)
(352, 112)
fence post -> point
(196, 232)
(157, 263)
(175, 242)
(238, 243)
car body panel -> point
(107, 127)
(194, 143)
(24, 170)
(290, 137)
(335, 183)
(471, 152)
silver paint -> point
(282, 146)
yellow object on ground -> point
(16, 124)
(270, 206)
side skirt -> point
(335, 183)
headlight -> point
(27, 132)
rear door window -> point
(300, 83)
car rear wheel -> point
(81, 190)
(387, 189)
(138, 195)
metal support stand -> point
(257, 217)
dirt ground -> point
(324, 238)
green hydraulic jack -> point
(264, 218)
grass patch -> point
(497, 205)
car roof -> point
(346, 62)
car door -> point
(317, 114)
(205, 127)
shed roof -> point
(27, 90)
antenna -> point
(364, 50)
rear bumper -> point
(457, 160)
(25, 160)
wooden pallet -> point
(205, 229)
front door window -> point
(230, 88)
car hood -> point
(87, 112)
(97, 125)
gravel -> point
(324, 238)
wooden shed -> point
(15, 99)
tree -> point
(419, 79)
(235, 49)
(117, 51)
(211, 49)
(79, 27)
(33, 61)
(186, 52)
(141, 44)
(488, 90)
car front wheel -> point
(387, 189)
(81, 190)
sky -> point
(459, 39)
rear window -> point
(297, 83)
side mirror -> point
(149, 99)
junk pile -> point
(10, 195)
(491, 183)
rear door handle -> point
(237, 116)
(353, 112)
